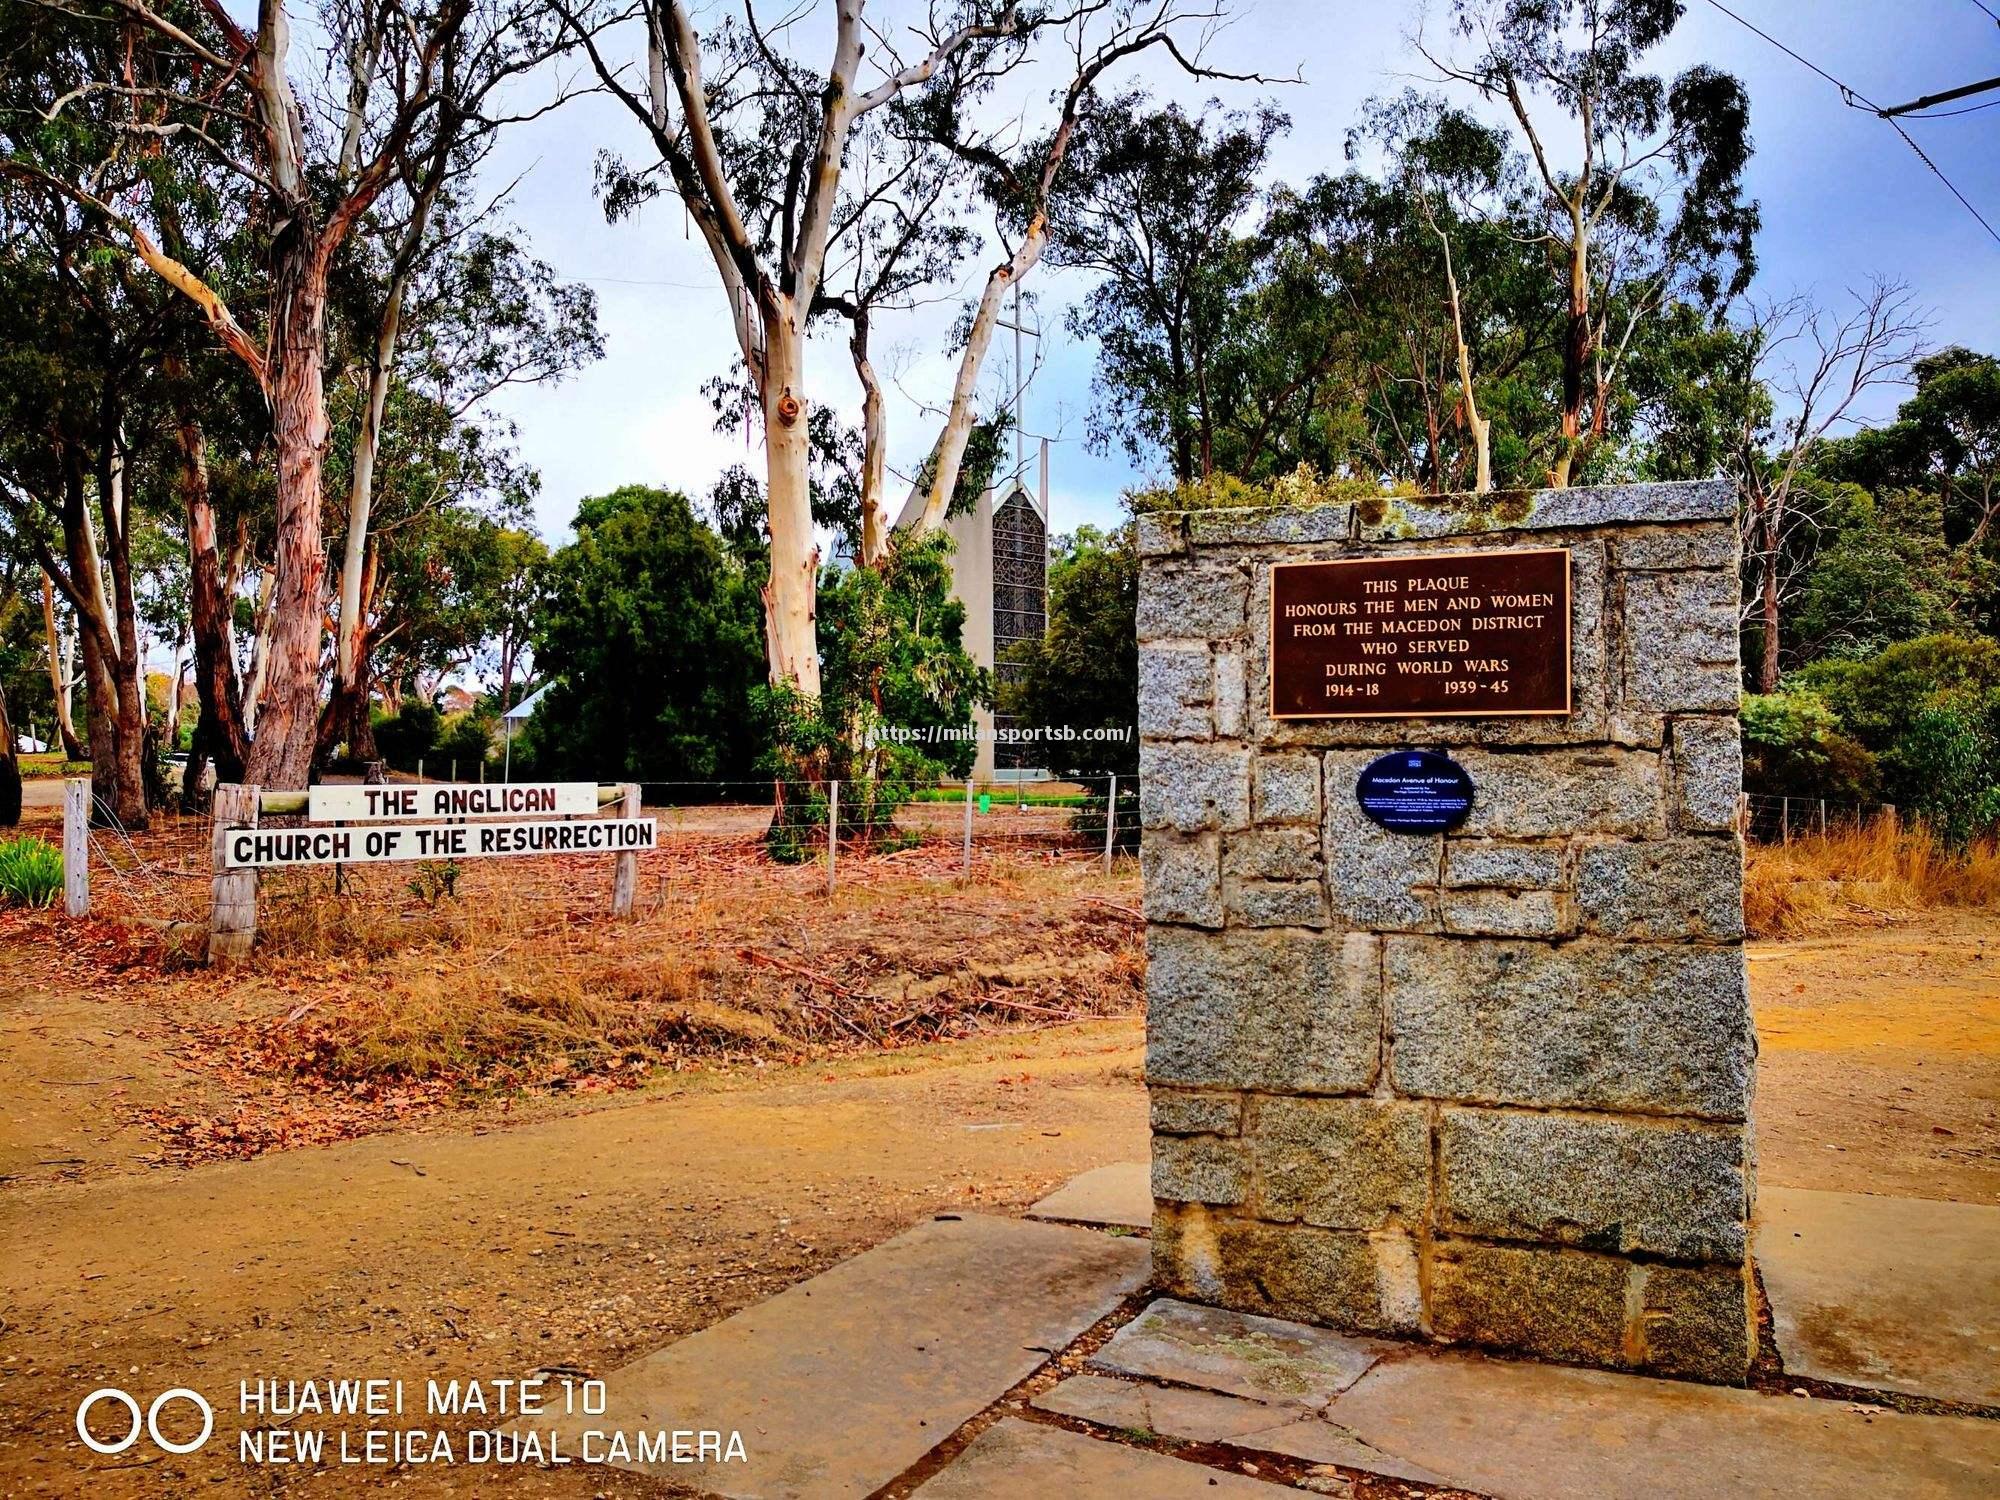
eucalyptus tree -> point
(1158, 205)
(1646, 203)
(759, 146)
(301, 170)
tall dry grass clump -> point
(1881, 870)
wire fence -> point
(716, 841)
(1767, 819)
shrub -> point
(1794, 746)
(31, 872)
(407, 737)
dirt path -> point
(492, 1244)
(1879, 1069)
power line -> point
(1995, 14)
(1855, 99)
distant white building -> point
(1000, 572)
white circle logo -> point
(150, 1421)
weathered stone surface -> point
(1367, 1283)
(1663, 888)
(1211, 1417)
(842, 1382)
(1263, 1359)
(1274, 903)
(1681, 642)
(1341, 1163)
(1120, 1194)
(1192, 603)
(1589, 1025)
(1670, 548)
(1707, 767)
(1543, 795)
(1016, 1460)
(1900, 1294)
(1285, 788)
(1558, 1304)
(1698, 1321)
(1499, 913)
(1600, 1182)
(1162, 536)
(1183, 878)
(1523, 1431)
(1375, 878)
(1271, 1009)
(1271, 525)
(1199, 1169)
(1546, 510)
(1177, 1112)
(1229, 690)
(1272, 854)
(1176, 692)
(1474, 862)
(1192, 788)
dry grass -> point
(1880, 871)
(391, 988)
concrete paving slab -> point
(1120, 1195)
(1265, 1359)
(1015, 1460)
(1546, 1432)
(1210, 1417)
(1901, 1294)
(842, 1382)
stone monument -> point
(1481, 1075)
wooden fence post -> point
(76, 846)
(1110, 820)
(625, 872)
(967, 871)
(832, 832)
(232, 909)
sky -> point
(1844, 199)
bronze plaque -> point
(1426, 635)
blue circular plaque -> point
(1415, 791)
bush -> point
(409, 736)
(1301, 489)
(466, 738)
(31, 872)
(1793, 746)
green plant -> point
(435, 881)
(31, 872)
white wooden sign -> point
(446, 799)
(270, 848)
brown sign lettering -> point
(1421, 636)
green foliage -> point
(1300, 489)
(651, 631)
(1943, 768)
(31, 872)
(897, 690)
(1793, 745)
(409, 736)
(1084, 674)
(1878, 698)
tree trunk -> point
(1767, 541)
(62, 672)
(1576, 355)
(958, 421)
(288, 718)
(874, 450)
(220, 733)
(790, 595)
(110, 686)
(260, 655)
